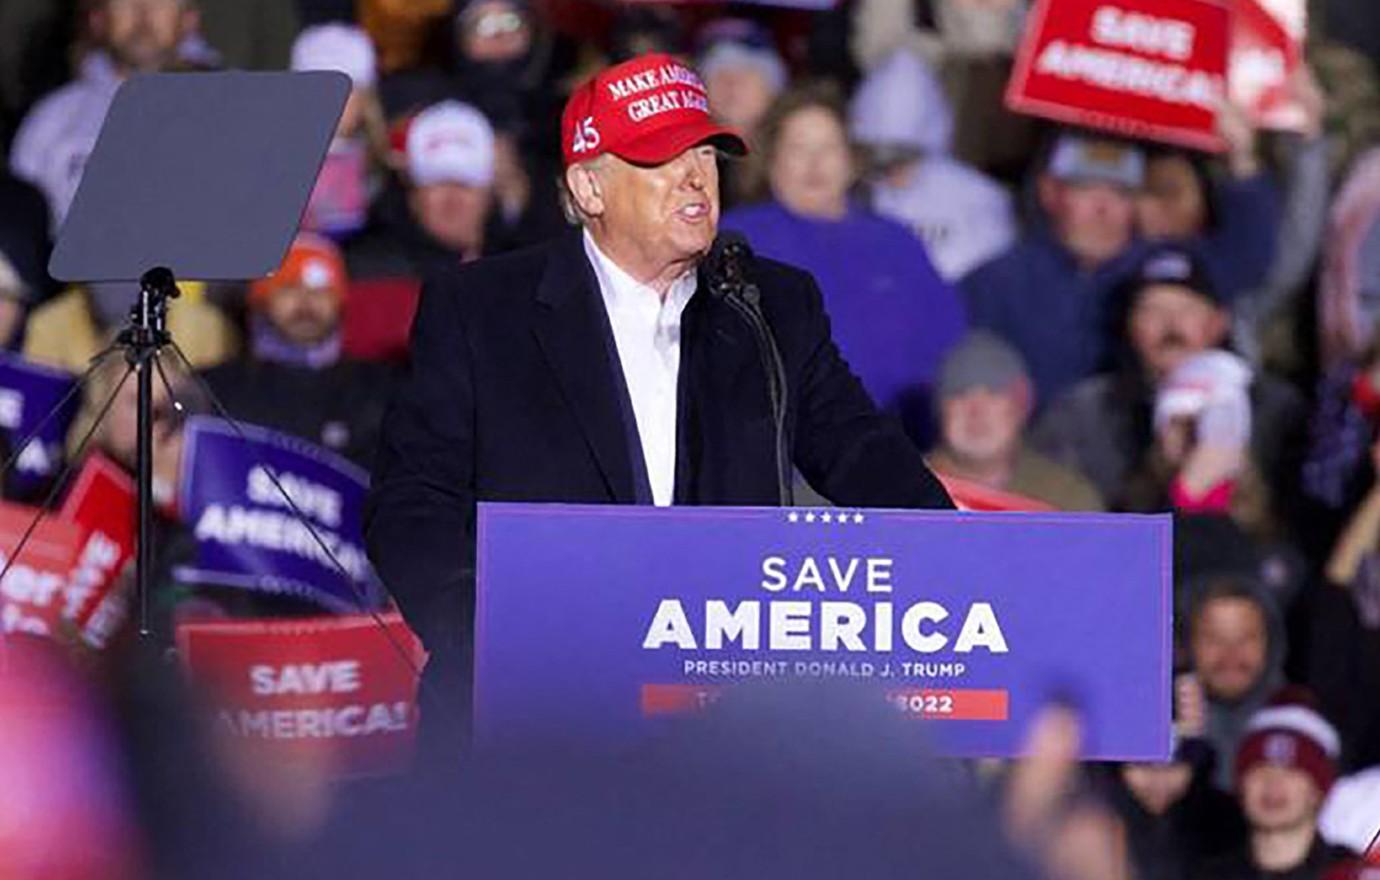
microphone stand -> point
(730, 284)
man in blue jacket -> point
(1048, 295)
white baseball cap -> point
(341, 47)
(450, 142)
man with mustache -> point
(601, 368)
(293, 376)
(1169, 311)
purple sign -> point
(247, 533)
(28, 392)
(604, 622)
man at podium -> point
(607, 366)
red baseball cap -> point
(647, 110)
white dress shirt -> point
(646, 331)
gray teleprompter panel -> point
(207, 174)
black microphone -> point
(724, 264)
(727, 279)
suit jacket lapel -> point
(571, 328)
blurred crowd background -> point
(1063, 319)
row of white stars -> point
(810, 516)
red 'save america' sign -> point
(1144, 68)
(330, 692)
(102, 502)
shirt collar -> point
(620, 290)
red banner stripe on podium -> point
(953, 704)
(950, 704)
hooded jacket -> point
(1226, 722)
(964, 217)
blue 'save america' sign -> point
(248, 533)
(602, 621)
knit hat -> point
(981, 360)
(1291, 732)
(313, 261)
(340, 47)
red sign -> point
(34, 588)
(968, 495)
(1151, 69)
(331, 692)
(1266, 51)
(102, 501)
(951, 704)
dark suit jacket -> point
(514, 394)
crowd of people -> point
(1063, 319)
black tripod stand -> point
(146, 199)
(142, 341)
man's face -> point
(738, 95)
(1168, 323)
(1172, 204)
(1277, 798)
(982, 425)
(812, 166)
(1092, 219)
(1157, 786)
(143, 35)
(1230, 644)
(665, 214)
(453, 214)
(303, 315)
